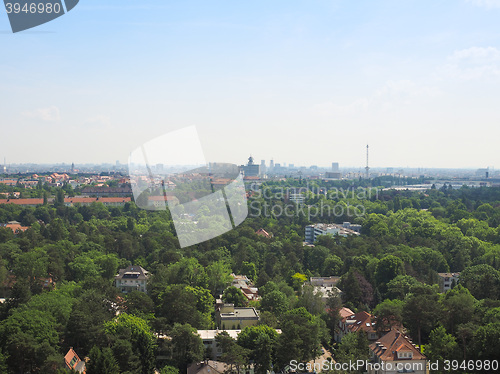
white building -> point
(313, 231)
(447, 281)
(133, 278)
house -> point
(216, 367)
(245, 285)
(107, 201)
(361, 321)
(395, 353)
(324, 281)
(264, 233)
(15, 226)
(230, 318)
(325, 286)
(133, 278)
(159, 202)
(23, 202)
(447, 281)
(107, 191)
(73, 362)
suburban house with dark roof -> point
(133, 278)
(395, 353)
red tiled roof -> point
(263, 232)
(362, 321)
(15, 227)
(345, 312)
(387, 346)
(22, 201)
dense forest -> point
(389, 270)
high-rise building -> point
(335, 166)
(271, 165)
(263, 167)
(251, 169)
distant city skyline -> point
(305, 82)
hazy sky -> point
(303, 82)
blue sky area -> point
(303, 82)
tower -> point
(367, 168)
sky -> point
(308, 82)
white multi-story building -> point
(447, 281)
(313, 231)
(133, 278)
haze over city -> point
(307, 82)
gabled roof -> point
(388, 346)
(133, 272)
(263, 232)
(359, 321)
(345, 312)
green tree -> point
(102, 362)
(186, 346)
(459, 307)
(483, 281)
(332, 266)
(250, 270)
(261, 341)
(219, 276)
(354, 346)
(421, 310)
(442, 346)
(138, 332)
(275, 302)
(387, 269)
(232, 353)
(234, 296)
(169, 370)
(311, 300)
(387, 314)
(399, 287)
(300, 338)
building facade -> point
(133, 278)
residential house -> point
(361, 321)
(245, 285)
(395, 353)
(264, 233)
(325, 286)
(447, 281)
(230, 318)
(15, 226)
(73, 362)
(217, 367)
(107, 201)
(23, 202)
(133, 278)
